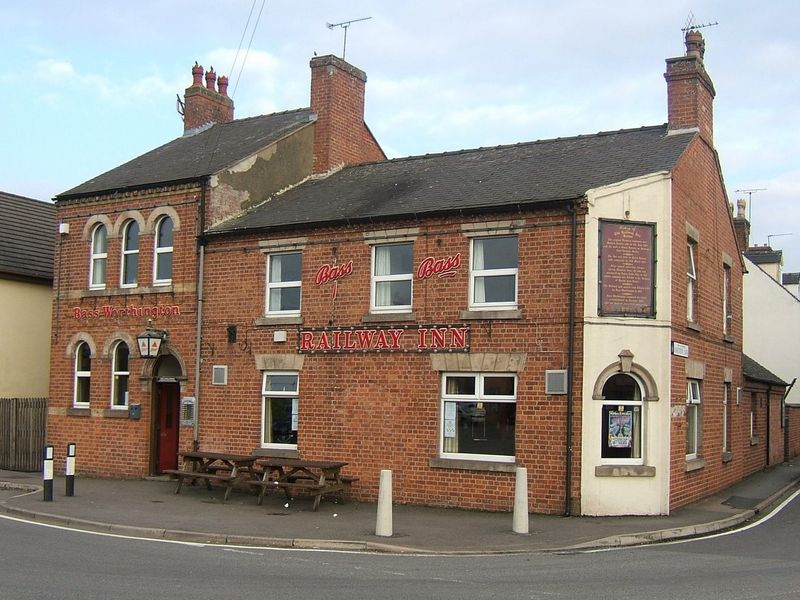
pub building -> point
(572, 306)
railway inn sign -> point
(391, 338)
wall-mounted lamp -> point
(150, 341)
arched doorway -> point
(166, 422)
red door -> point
(167, 426)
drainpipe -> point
(769, 425)
(571, 208)
(201, 243)
(785, 421)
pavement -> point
(150, 509)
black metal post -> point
(47, 474)
(70, 469)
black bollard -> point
(70, 469)
(48, 473)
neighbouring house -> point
(572, 306)
(27, 237)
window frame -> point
(82, 374)
(159, 252)
(726, 417)
(97, 257)
(693, 412)
(283, 285)
(125, 252)
(376, 279)
(474, 274)
(477, 397)
(117, 374)
(267, 395)
(632, 402)
(691, 280)
(727, 313)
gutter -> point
(201, 247)
(571, 208)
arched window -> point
(83, 375)
(130, 254)
(119, 376)
(623, 423)
(162, 269)
(97, 268)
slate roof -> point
(477, 180)
(791, 278)
(192, 157)
(754, 371)
(27, 237)
(764, 255)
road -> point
(761, 561)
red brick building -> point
(572, 306)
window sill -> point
(729, 339)
(509, 314)
(694, 326)
(130, 291)
(727, 457)
(754, 441)
(624, 471)
(276, 453)
(391, 317)
(79, 412)
(694, 464)
(116, 413)
(277, 320)
(472, 465)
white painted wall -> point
(772, 326)
(647, 200)
(25, 331)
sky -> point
(90, 84)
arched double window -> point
(162, 267)
(83, 375)
(99, 257)
(129, 270)
(120, 374)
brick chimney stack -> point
(690, 91)
(205, 106)
(337, 97)
(741, 226)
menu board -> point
(627, 280)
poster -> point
(449, 419)
(620, 428)
(627, 279)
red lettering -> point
(396, 335)
(422, 342)
(323, 343)
(437, 337)
(336, 336)
(443, 267)
(458, 337)
(365, 337)
(327, 273)
(382, 341)
(348, 343)
(306, 340)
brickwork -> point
(700, 210)
(383, 411)
(206, 105)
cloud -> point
(51, 69)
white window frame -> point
(98, 257)
(693, 411)
(474, 274)
(117, 373)
(479, 396)
(160, 251)
(727, 315)
(283, 285)
(691, 281)
(266, 395)
(81, 375)
(126, 252)
(642, 425)
(376, 279)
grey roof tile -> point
(469, 180)
(27, 237)
(198, 155)
(754, 371)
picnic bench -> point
(217, 467)
(317, 477)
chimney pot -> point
(222, 84)
(740, 206)
(695, 45)
(211, 79)
(197, 74)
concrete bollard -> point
(69, 470)
(47, 474)
(520, 522)
(383, 524)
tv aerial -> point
(691, 24)
(344, 25)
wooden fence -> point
(23, 428)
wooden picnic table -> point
(318, 477)
(223, 468)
